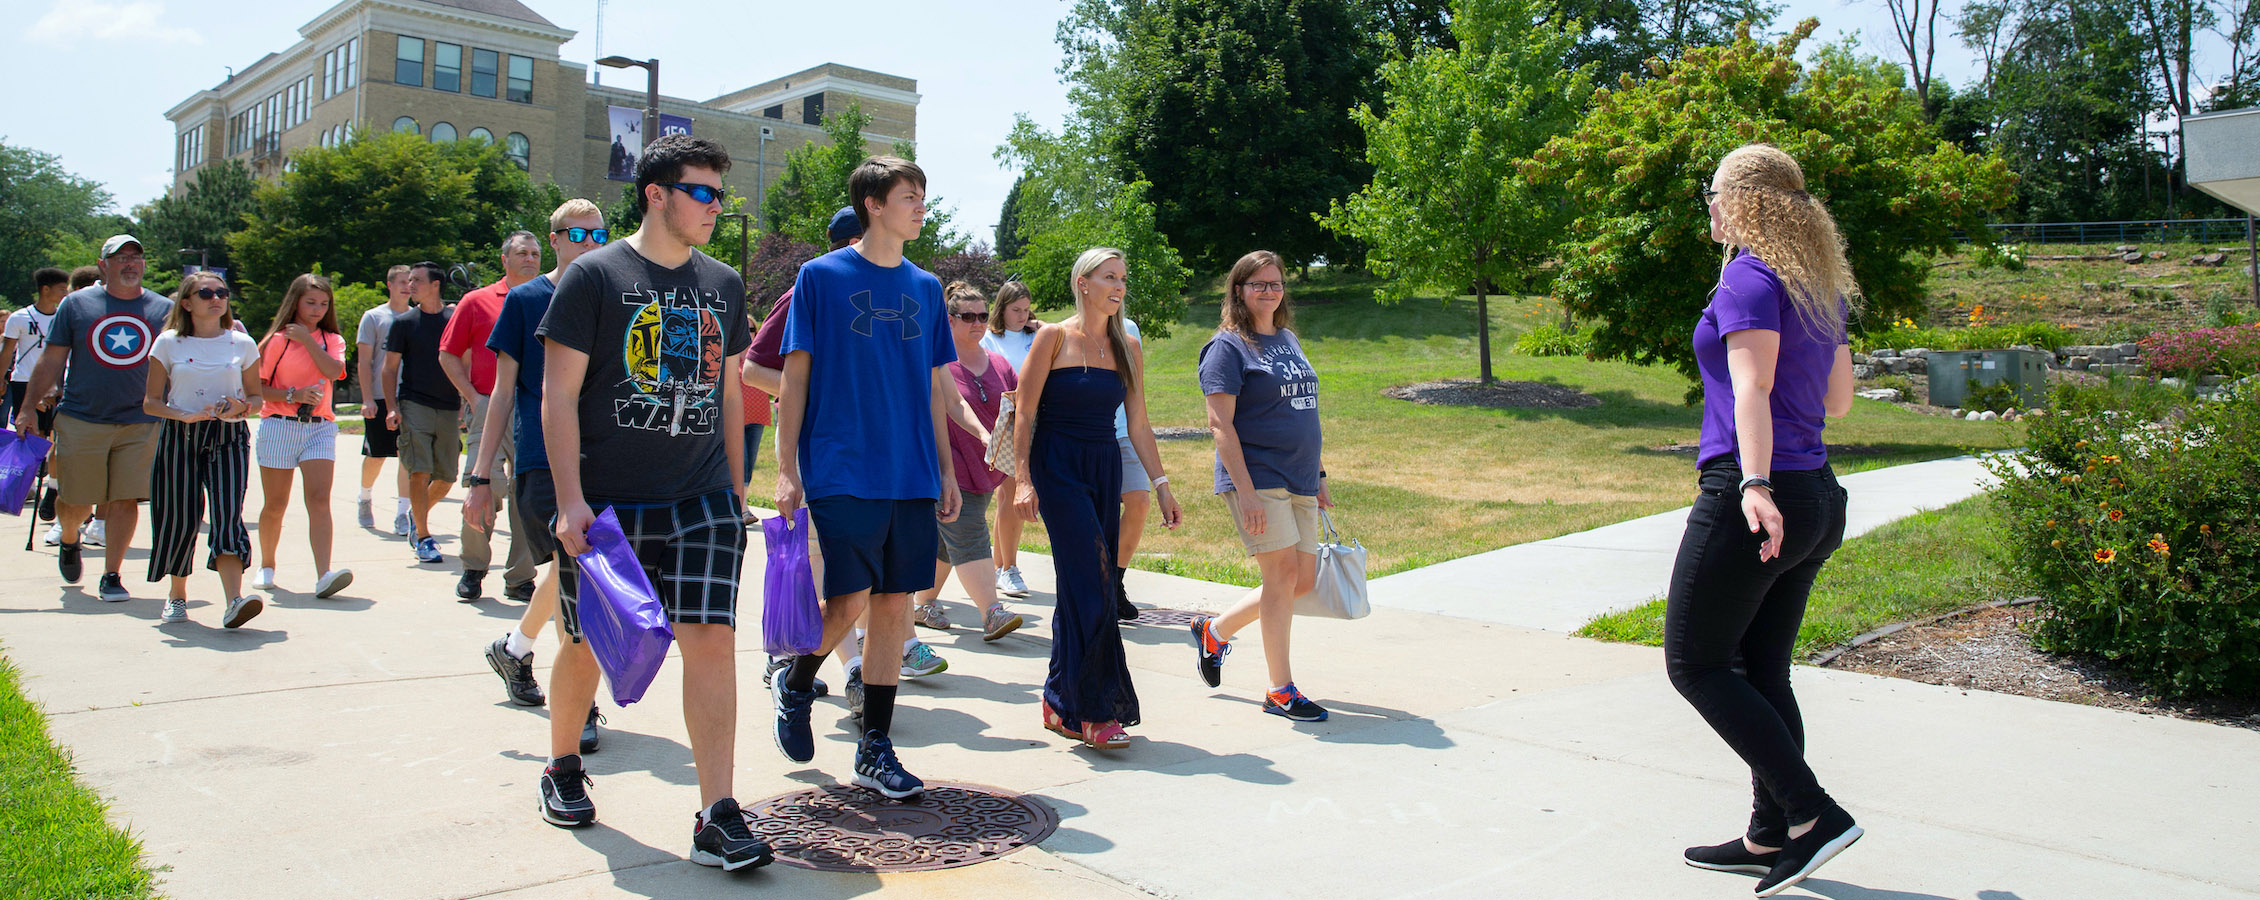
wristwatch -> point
(1756, 481)
(476, 481)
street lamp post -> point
(745, 238)
(650, 94)
(761, 169)
(203, 257)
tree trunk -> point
(1483, 327)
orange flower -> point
(2108, 460)
(2106, 555)
(2159, 547)
(2116, 515)
(2206, 530)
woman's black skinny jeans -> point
(1730, 627)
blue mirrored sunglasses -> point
(699, 192)
(577, 235)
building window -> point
(191, 148)
(406, 125)
(447, 67)
(443, 133)
(518, 149)
(408, 64)
(485, 66)
(812, 109)
(482, 134)
(329, 75)
(351, 74)
(774, 112)
(521, 86)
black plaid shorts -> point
(692, 550)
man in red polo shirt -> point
(463, 351)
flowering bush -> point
(2143, 536)
(2232, 351)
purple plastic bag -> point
(621, 617)
(20, 456)
(792, 624)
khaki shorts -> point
(101, 463)
(1289, 520)
(431, 441)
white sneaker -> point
(240, 610)
(92, 535)
(332, 582)
(176, 610)
(1009, 582)
(54, 535)
(265, 580)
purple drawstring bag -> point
(621, 617)
(792, 624)
(20, 456)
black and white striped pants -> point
(199, 465)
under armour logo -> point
(905, 315)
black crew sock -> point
(802, 675)
(879, 707)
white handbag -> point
(1340, 589)
(1000, 438)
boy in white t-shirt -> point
(26, 334)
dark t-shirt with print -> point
(1276, 414)
(109, 339)
(658, 342)
(415, 336)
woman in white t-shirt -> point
(202, 376)
(1012, 329)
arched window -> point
(406, 124)
(481, 134)
(518, 149)
(443, 133)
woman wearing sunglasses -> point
(982, 376)
(202, 376)
(1012, 329)
(1775, 364)
(301, 355)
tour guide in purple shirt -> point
(1772, 354)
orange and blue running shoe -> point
(1212, 651)
(1291, 703)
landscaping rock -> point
(2213, 380)
(1988, 416)
(1863, 370)
(1882, 353)
(2126, 248)
(2036, 411)
(1887, 395)
(1916, 353)
(2175, 383)
(2131, 258)
(2116, 369)
(2157, 254)
(2079, 363)
(2210, 259)
(1859, 359)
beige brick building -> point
(458, 69)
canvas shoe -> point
(240, 610)
(264, 580)
(113, 589)
(565, 799)
(877, 768)
(720, 838)
(332, 581)
(176, 610)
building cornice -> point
(825, 84)
(520, 27)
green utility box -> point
(1952, 371)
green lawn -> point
(1422, 484)
(1920, 566)
(54, 841)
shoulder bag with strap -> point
(1340, 591)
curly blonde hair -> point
(1764, 209)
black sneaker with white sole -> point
(1833, 832)
(565, 799)
(590, 737)
(720, 838)
(68, 563)
(517, 673)
(1732, 856)
(113, 588)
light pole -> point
(745, 238)
(761, 168)
(203, 258)
(650, 93)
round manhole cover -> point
(837, 828)
(1168, 617)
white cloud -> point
(135, 21)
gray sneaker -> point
(922, 661)
(998, 622)
(401, 523)
(930, 615)
(1009, 582)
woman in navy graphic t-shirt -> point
(1774, 363)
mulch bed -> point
(1988, 650)
(1496, 395)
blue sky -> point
(101, 73)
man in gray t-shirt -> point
(380, 441)
(105, 445)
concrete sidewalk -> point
(359, 747)
(1561, 583)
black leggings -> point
(1730, 627)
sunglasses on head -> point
(974, 318)
(698, 192)
(212, 293)
(577, 235)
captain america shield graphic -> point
(120, 340)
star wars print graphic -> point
(904, 314)
(673, 351)
(120, 340)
